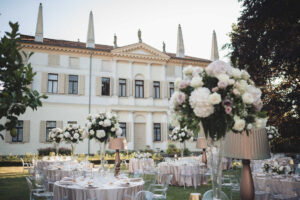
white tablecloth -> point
(41, 164)
(182, 173)
(140, 165)
(276, 185)
(104, 192)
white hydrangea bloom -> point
(247, 98)
(214, 98)
(200, 103)
(196, 82)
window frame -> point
(157, 132)
(139, 89)
(72, 84)
(52, 81)
(20, 131)
(122, 88)
(123, 126)
(105, 80)
(171, 89)
(49, 128)
(156, 89)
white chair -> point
(145, 195)
(25, 165)
(39, 193)
(160, 190)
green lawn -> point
(13, 187)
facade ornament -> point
(140, 36)
(115, 41)
(164, 47)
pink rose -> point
(228, 110)
(215, 89)
(180, 98)
(222, 84)
(184, 84)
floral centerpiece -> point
(272, 133)
(139, 155)
(73, 133)
(181, 135)
(223, 99)
(56, 136)
(101, 127)
(274, 166)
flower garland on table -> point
(142, 155)
(272, 133)
(275, 167)
(56, 135)
(102, 126)
(73, 133)
(180, 134)
(223, 98)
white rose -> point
(109, 115)
(100, 133)
(76, 135)
(174, 137)
(231, 81)
(119, 132)
(270, 136)
(107, 123)
(183, 134)
(101, 123)
(197, 71)
(247, 98)
(188, 70)
(94, 121)
(113, 129)
(196, 82)
(236, 73)
(249, 126)
(236, 92)
(67, 134)
(242, 86)
(260, 122)
(92, 132)
(239, 124)
(223, 77)
(214, 98)
(245, 75)
(89, 125)
(53, 135)
(61, 136)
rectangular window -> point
(122, 87)
(49, 125)
(19, 136)
(139, 89)
(156, 89)
(105, 86)
(72, 122)
(52, 83)
(157, 132)
(73, 84)
(123, 127)
(171, 86)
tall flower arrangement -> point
(73, 133)
(103, 125)
(56, 136)
(180, 134)
(223, 98)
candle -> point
(291, 162)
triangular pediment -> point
(140, 50)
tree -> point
(266, 42)
(15, 77)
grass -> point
(13, 186)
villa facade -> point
(135, 81)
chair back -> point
(145, 195)
(29, 183)
(167, 179)
(22, 161)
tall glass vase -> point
(102, 156)
(72, 150)
(56, 146)
(182, 148)
(216, 149)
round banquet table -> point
(182, 173)
(41, 164)
(108, 191)
(140, 165)
(276, 185)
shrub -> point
(172, 150)
(46, 151)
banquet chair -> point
(262, 190)
(144, 195)
(39, 193)
(25, 165)
(187, 174)
(235, 188)
(160, 190)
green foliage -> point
(46, 151)
(15, 77)
(266, 42)
(172, 150)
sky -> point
(157, 19)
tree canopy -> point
(266, 42)
(15, 78)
